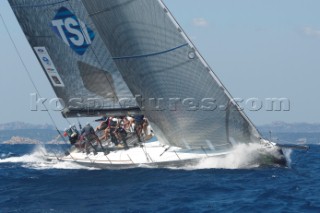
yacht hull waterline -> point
(155, 155)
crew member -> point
(89, 135)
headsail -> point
(137, 42)
(185, 101)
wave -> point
(4, 155)
(37, 160)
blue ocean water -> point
(29, 184)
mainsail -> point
(119, 49)
(74, 57)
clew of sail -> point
(74, 58)
(120, 49)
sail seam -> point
(150, 54)
(215, 77)
(38, 5)
(111, 8)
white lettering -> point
(58, 24)
(69, 23)
(85, 32)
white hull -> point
(152, 154)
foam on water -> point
(243, 156)
(3, 155)
(37, 160)
(35, 156)
(287, 153)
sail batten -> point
(97, 113)
(149, 54)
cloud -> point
(309, 31)
(200, 22)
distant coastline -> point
(16, 140)
(20, 140)
(278, 126)
(22, 125)
(283, 127)
(25, 133)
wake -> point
(37, 160)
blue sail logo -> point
(72, 31)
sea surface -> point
(28, 183)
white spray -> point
(243, 156)
(37, 160)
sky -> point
(258, 49)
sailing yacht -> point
(131, 57)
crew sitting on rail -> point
(104, 123)
(121, 135)
(113, 128)
(128, 123)
(106, 134)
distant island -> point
(20, 140)
(25, 133)
(15, 140)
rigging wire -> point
(38, 6)
(29, 75)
